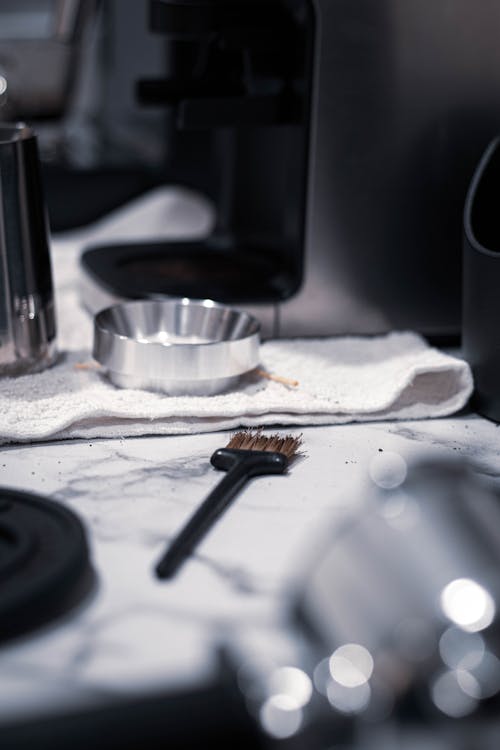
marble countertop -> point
(136, 633)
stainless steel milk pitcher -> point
(27, 316)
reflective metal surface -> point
(27, 322)
(393, 639)
(176, 346)
(95, 297)
(396, 137)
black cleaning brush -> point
(248, 454)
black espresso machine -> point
(336, 140)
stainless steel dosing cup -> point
(27, 316)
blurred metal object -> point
(436, 526)
(27, 321)
(176, 346)
(38, 55)
(396, 623)
(421, 565)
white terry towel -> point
(395, 376)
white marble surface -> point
(136, 633)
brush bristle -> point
(255, 440)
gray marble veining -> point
(136, 633)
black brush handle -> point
(241, 465)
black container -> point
(481, 290)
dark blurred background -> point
(70, 68)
